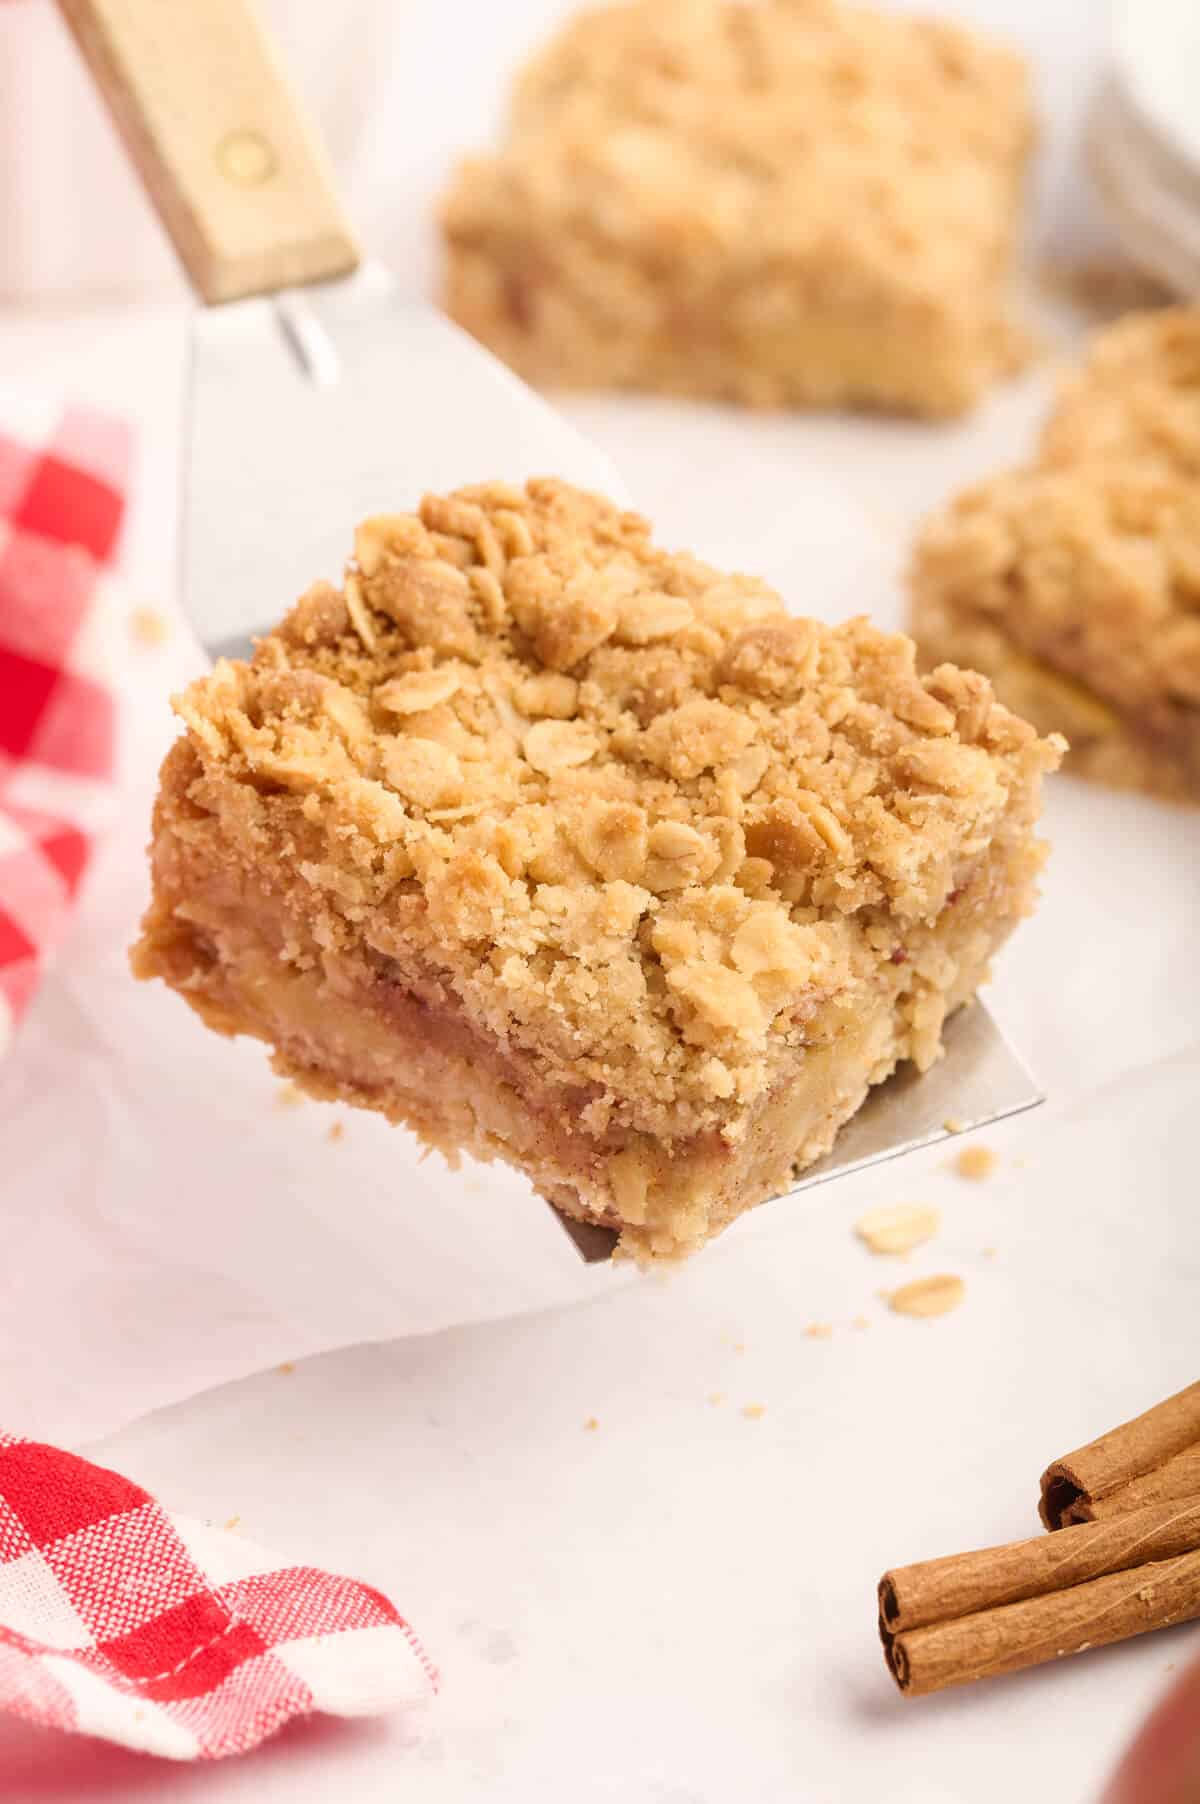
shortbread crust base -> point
(348, 1033)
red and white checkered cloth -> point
(62, 501)
(170, 1635)
(155, 1631)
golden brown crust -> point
(1135, 396)
(745, 200)
(641, 829)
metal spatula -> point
(319, 396)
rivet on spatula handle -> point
(208, 116)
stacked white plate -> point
(1144, 138)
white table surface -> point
(677, 1606)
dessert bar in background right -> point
(1073, 581)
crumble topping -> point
(1075, 580)
(975, 1162)
(696, 128)
(639, 819)
(149, 626)
(1094, 567)
(1137, 394)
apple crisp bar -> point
(1074, 583)
(573, 852)
(789, 202)
(1135, 395)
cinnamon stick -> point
(976, 1615)
(1153, 1458)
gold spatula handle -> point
(236, 174)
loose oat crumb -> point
(819, 1330)
(148, 626)
(989, 1252)
(953, 1125)
(716, 1397)
(287, 1366)
(898, 1227)
(231, 1524)
(975, 1162)
(754, 1411)
(739, 1346)
(860, 1321)
(337, 1131)
(288, 1096)
(592, 1423)
(928, 1296)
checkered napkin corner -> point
(171, 1636)
(63, 475)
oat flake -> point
(928, 1296)
(897, 1227)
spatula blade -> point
(312, 410)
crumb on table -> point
(819, 1330)
(592, 1423)
(148, 626)
(928, 1296)
(975, 1162)
(897, 1227)
(754, 1412)
(288, 1096)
